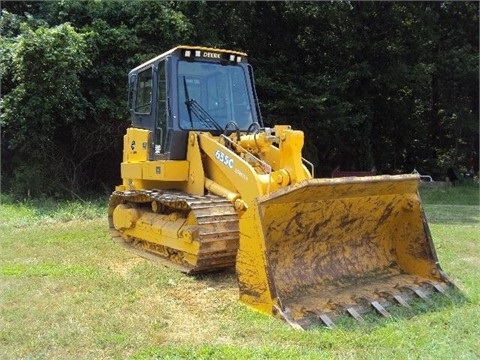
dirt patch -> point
(123, 267)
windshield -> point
(219, 90)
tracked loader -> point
(205, 186)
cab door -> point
(162, 111)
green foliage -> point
(386, 84)
(44, 106)
(45, 66)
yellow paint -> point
(251, 263)
(160, 170)
(323, 237)
(156, 228)
(306, 245)
(131, 170)
(196, 175)
(136, 145)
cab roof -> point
(187, 47)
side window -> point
(143, 101)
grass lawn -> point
(68, 292)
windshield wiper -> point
(187, 101)
(194, 107)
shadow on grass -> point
(218, 279)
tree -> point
(115, 36)
(454, 125)
(390, 84)
(44, 108)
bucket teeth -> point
(286, 316)
(380, 309)
(439, 288)
(354, 313)
(399, 299)
(356, 306)
(419, 292)
(395, 296)
(327, 321)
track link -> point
(217, 223)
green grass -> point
(445, 193)
(25, 213)
(68, 292)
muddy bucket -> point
(346, 246)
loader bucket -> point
(345, 246)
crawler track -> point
(215, 217)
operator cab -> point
(192, 89)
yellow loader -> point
(205, 186)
